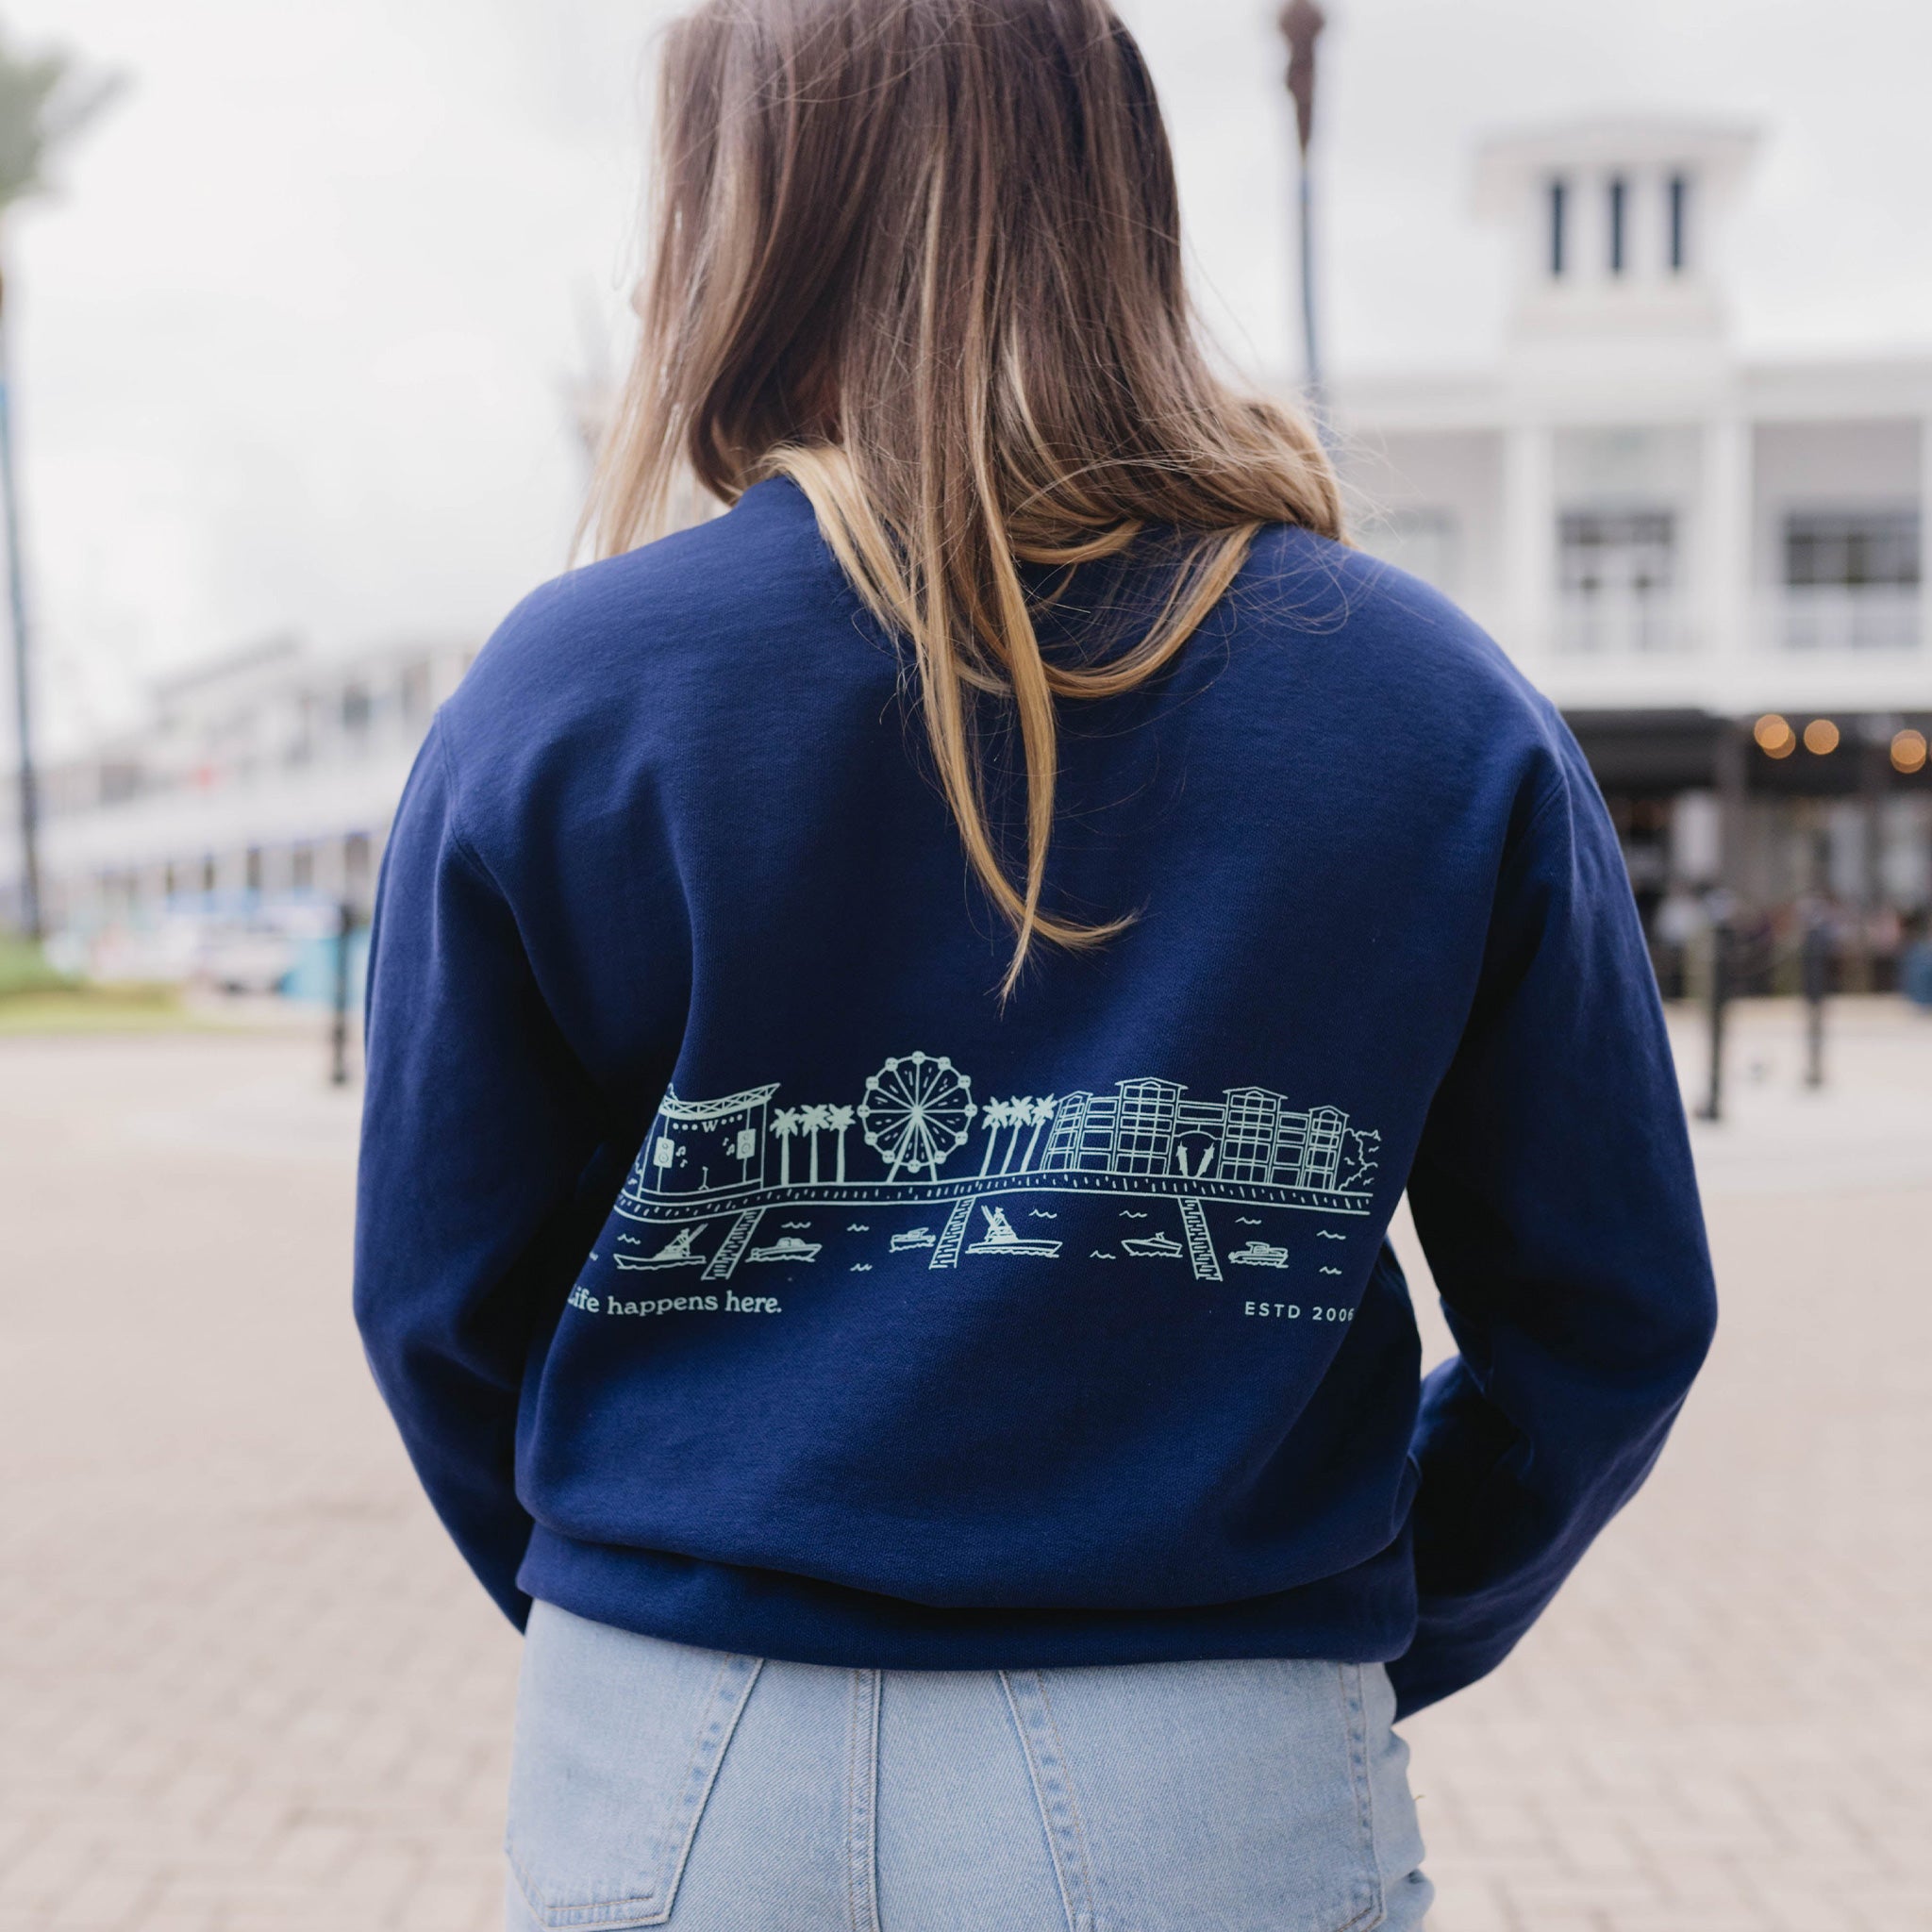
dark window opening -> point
(1620, 196)
(1681, 198)
(1560, 196)
(1850, 549)
(1617, 553)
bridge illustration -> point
(713, 1160)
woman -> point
(899, 1018)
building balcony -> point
(1823, 618)
(1613, 625)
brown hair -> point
(923, 257)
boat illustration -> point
(1259, 1255)
(788, 1247)
(1162, 1244)
(1001, 1239)
(914, 1238)
(676, 1253)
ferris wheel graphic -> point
(917, 1110)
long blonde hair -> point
(923, 257)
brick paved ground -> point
(245, 1688)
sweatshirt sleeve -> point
(478, 1127)
(1554, 1195)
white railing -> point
(1604, 626)
(1847, 617)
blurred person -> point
(929, 1509)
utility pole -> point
(1301, 23)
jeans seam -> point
(653, 1906)
(1053, 1791)
(1354, 1715)
(861, 1802)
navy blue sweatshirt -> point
(741, 1272)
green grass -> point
(34, 998)
(23, 969)
(99, 1010)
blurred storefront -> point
(1714, 564)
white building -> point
(262, 779)
(1713, 565)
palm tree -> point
(840, 1119)
(995, 1117)
(812, 1119)
(1042, 1112)
(785, 1122)
(1019, 1112)
(43, 101)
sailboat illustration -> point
(1163, 1245)
(1001, 1239)
(676, 1253)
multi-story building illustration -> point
(1148, 1126)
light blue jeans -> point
(653, 1784)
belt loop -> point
(862, 1788)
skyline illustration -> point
(917, 1135)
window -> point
(1620, 197)
(1851, 579)
(357, 709)
(302, 868)
(1617, 570)
(1559, 197)
(253, 868)
(1852, 548)
(1679, 192)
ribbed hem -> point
(1365, 1615)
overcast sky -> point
(292, 347)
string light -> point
(1775, 735)
(1908, 750)
(1821, 736)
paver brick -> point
(252, 1688)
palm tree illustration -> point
(838, 1119)
(998, 1115)
(785, 1122)
(812, 1121)
(1019, 1112)
(1042, 1112)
